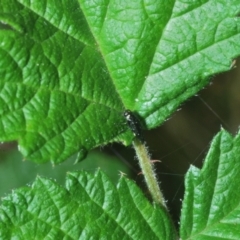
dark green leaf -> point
(90, 207)
(211, 206)
(69, 69)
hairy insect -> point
(133, 124)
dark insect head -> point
(134, 124)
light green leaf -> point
(211, 206)
(90, 207)
(69, 69)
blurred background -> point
(182, 140)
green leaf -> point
(211, 206)
(90, 207)
(69, 69)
